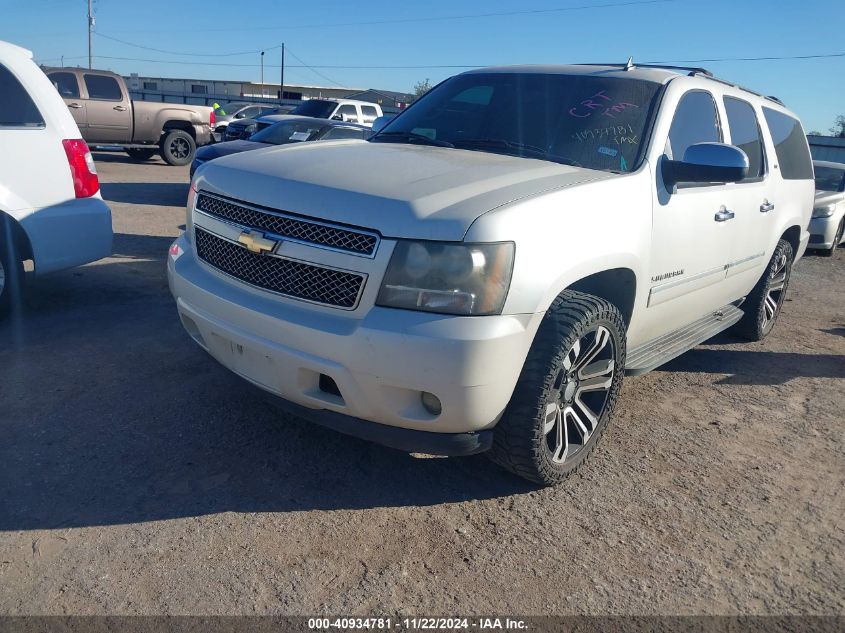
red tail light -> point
(82, 169)
(212, 119)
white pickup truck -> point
(521, 238)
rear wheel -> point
(836, 239)
(762, 306)
(11, 270)
(178, 148)
(566, 392)
(141, 154)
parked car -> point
(291, 130)
(347, 110)
(228, 112)
(244, 128)
(52, 216)
(99, 102)
(480, 274)
(828, 224)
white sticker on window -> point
(299, 136)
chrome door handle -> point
(766, 207)
(724, 215)
(75, 106)
(120, 108)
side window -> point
(370, 113)
(745, 134)
(790, 145)
(695, 122)
(349, 112)
(249, 113)
(344, 132)
(17, 109)
(102, 87)
(66, 84)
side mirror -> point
(380, 122)
(706, 162)
(337, 117)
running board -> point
(656, 352)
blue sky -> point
(319, 35)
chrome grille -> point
(285, 276)
(286, 226)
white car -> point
(51, 213)
(827, 228)
(482, 272)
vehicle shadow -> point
(836, 331)
(110, 414)
(756, 367)
(115, 156)
(166, 194)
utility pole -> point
(90, 30)
(282, 82)
(262, 74)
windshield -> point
(227, 108)
(316, 108)
(829, 178)
(287, 132)
(589, 121)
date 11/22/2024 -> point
(602, 104)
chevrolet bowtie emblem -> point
(256, 242)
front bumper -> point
(380, 362)
(823, 231)
(69, 234)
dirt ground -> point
(139, 477)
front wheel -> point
(178, 148)
(11, 271)
(566, 392)
(763, 304)
(830, 252)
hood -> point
(828, 197)
(400, 190)
(217, 150)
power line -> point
(311, 68)
(166, 52)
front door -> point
(692, 229)
(67, 85)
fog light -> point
(431, 403)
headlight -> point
(824, 212)
(451, 278)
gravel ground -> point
(139, 477)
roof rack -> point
(629, 65)
(775, 99)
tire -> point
(762, 306)
(141, 154)
(830, 252)
(532, 439)
(11, 271)
(178, 148)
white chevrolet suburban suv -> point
(520, 239)
(52, 215)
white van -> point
(51, 213)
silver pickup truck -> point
(100, 104)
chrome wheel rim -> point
(579, 394)
(774, 296)
(179, 148)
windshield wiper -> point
(527, 150)
(412, 137)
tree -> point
(421, 87)
(838, 128)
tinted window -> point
(66, 84)
(348, 112)
(100, 87)
(695, 122)
(249, 113)
(16, 106)
(315, 107)
(790, 145)
(594, 121)
(287, 132)
(344, 132)
(745, 134)
(829, 178)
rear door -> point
(348, 112)
(67, 85)
(754, 199)
(109, 111)
(369, 114)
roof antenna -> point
(630, 63)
